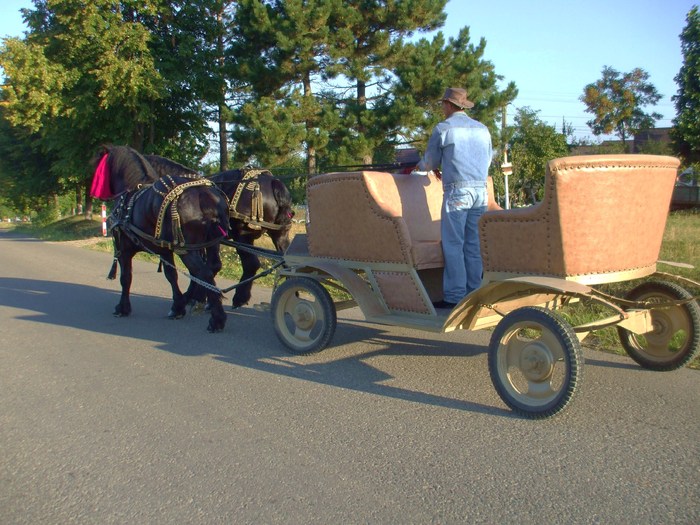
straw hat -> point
(458, 97)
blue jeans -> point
(462, 208)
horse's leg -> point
(179, 306)
(251, 265)
(195, 294)
(201, 270)
(213, 258)
(126, 254)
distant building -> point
(662, 135)
(636, 145)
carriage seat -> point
(601, 220)
(375, 217)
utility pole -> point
(506, 167)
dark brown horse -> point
(260, 204)
(182, 214)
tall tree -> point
(188, 43)
(281, 49)
(84, 75)
(367, 42)
(427, 68)
(617, 101)
(686, 130)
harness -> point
(120, 218)
(256, 219)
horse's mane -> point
(164, 166)
(129, 164)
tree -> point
(686, 126)
(84, 75)
(617, 101)
(367, 43)
(281, 49)
(534, 143)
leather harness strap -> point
(171, 192)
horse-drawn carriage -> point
(376, 238)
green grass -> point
(680, 245)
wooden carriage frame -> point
(601, 221)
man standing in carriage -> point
(461, 147)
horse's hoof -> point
(215, 327)
(197, 307)
(239, 300)
(175, 315)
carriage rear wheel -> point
(535, 362)
(675, 340)
(304, 315)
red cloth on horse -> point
(100, 183)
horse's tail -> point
(285, 213)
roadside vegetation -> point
(680, 245)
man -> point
(461, 147)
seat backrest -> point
(611, 209)
(601, 214)
(371, 216)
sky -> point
(551, 49)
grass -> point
(680, 245)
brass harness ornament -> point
(256, 219)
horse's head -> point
(283, 217)
(119, 169)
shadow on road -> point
(248, 341)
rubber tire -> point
(556, 344)
(304, 325)
(662, 358)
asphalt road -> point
(146, 420)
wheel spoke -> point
(302, 335)
(541, 390)
(516, 346)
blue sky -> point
(552, 48)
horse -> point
(260, 204)
(163, 215)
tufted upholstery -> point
(375, 217)
(602, 219)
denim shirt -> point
(461, 147)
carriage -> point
(373, 241)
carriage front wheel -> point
(535, 362)
(675, 338)
(304, 315)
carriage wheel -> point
(304, 315)
(675, 340)
(535, 362)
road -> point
(146, 420)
